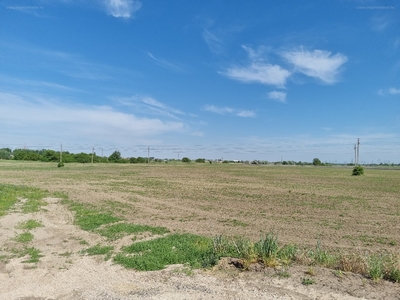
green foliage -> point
(307, 281)
(358, 170)
(194, 250)
(115, 157)
(29, 224)
(375, 267)
(60, 164)
(186, 160)
(200, 160)
(267, 248)
(98, 250)
(24, 237)
(9, 195)
(5, 153)
(316, 162)
(34, 254)
(49, 155)
(89, 219)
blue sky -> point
(266, 80)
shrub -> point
(186, 160)
(60, 164)
(358, 170)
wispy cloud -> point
(214, 43)
(230, 111)
(259, 72)
(277, 96)
(149, 105)
(390, 91)
(394, 91)
(166, 64)
(318, 64)
(29, 117)
(122, 8)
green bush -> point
(60, 164)
(358, 170)
(186, 160)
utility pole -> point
(61, 154)
(358, 151)
(92, 154)
(148, 155)
(355, 155)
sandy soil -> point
(64, 273)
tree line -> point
(46, 155)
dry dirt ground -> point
(65, 273)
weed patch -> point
(98, 250)
(29, 224)
(89, 219)
(24, 237)
(173, 249)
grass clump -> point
(193, 250)
(10, 194)
(90, 219)
(29, 224)
(98, 250)
(116, 231)
(24, 237)
(32, 252)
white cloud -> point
(32, 117)
(230, 111)
(278, 96)
(319, 64)
(149, 105)
(214, 43)
(390, 91)
(394, 91)
(164, 63)
(218, 110)
(259, 72)
(122, 8)
(246, 114)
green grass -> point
(10, 195)
(32, 252)
(29, 224)
(173, 249)
(116, 231)
(89, 218)
(24, 237)
(98, 250)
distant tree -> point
(141, 160)
(49, 155)
(115, 157)
(5, 153)
(186, 160)
(83, 158)
(200, 160)
(316, 162)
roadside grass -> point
(29, 224)
(156, 254)
(89, 218)
(24, 237)
(10, 195)
(33, 253)
(98, 250)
